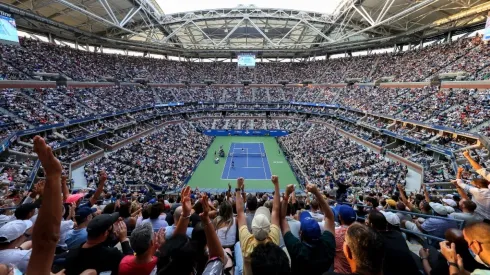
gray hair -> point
(177, 214)
(141, 237)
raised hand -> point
(205, 207)
(312, 188)
(121, 230)
(159, 238)
(460, 170)
(448, 250)
(400, 186)
(289, 189)
(275, 180)
(50, 163)
(102, 177)
(466, 154)
(240, 183)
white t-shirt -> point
(17, 257)
(481, 196)
(227, 237)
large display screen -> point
(246, 60)
(8, 29)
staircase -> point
(226, 124)
(182, 129)
(239, 124)
(309, 130)
(373, 67)
(214, 124)
(158, 99)
(277, 124)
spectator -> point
(76, 237)
(467, 212)
(169, 230)
(13, 246)
(268, 258)
(432, 226)
(265, 227)
(157, 217)
(95, 254)
(347, 216)
(144, 244)
(364, 250)
(315, 251)
(251, 207)
(225, 225)
(398, 258)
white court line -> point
(229, 167)
(268, 164)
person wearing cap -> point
(12, 237)
(468, 214)
(314, 251)
(478, 188)
(433, 225)
(265, 227)
(95, 254)
(76, 237)
(347, 216)
(399, 260)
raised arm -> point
(327, 211)
(46, 231)
(284, 205)
(100, 188)
(183, 222)
(214, 246)
(426, 193)
(473, 163)
(64, 187)
(403, 197)
(239, 197)
(276, 204)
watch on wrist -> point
(453, 264)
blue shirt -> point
(157, 223)
(437, 227)
(76, 237)
(169, 231)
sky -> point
(174, 6)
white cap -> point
(391, 218)
(261, 223)
(14, 229)
(438, 208)
(450, 202)
(449, 209)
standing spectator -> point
(169, 230)
(467, 213)
(13, 247)
(347, 216)
(268, 258)
(144, 244)
(95, 254)
(251, 207)
(314, 252)
(478, 188)
(397, 254)
(364, 250)
(478, 239)
(157, 218)
(76, 237)
(225, 225)
(265, 227)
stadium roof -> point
(271, 32)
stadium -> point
(283, 137)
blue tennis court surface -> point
(250, 162)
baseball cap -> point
(347, 214)
(310, 229)
(261, 223)
(101, 224)
(449, 209)
(23, 210)
(74, 198)
(391, 202)
(83, 212)
(391, 218)
(450, 202)
(14, 229)
(438, 208)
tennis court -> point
(264, 159)
(249, 161)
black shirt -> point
(398, 258)
(100, 257)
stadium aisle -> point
(79, 178)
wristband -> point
(186, 217)
(423, 258)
